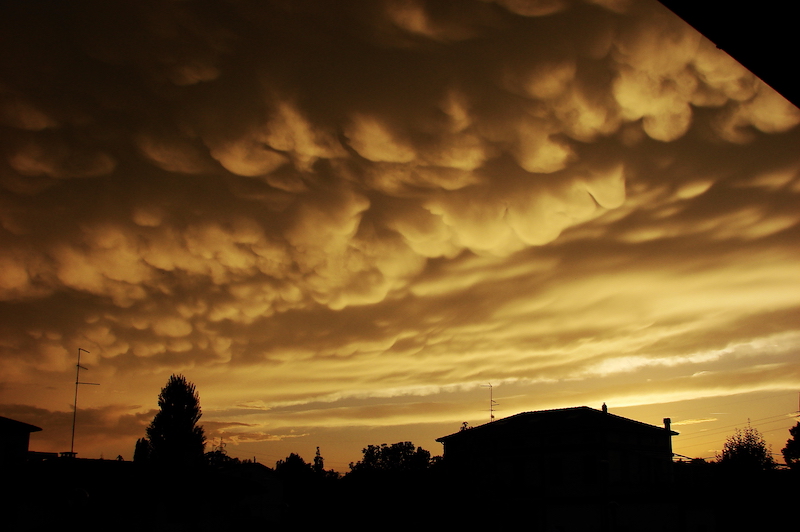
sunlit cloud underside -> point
(358, 214)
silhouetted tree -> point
(319, 468)
(319, 464)
(305, 484)
(141, 453)
(791, 453)
(401, 456)
(293, 466)
(174, 435)
(746, 450)
(387, 474)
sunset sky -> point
(343, 219)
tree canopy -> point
(293, 466)
(174, 435)
(141, 453)
(746, 450)
(400, 456)
(791, 453)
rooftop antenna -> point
(492, 402)
(78, 369)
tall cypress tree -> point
(174, 435)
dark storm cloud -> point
(323, 200)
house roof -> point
(553, 419)
(8, 424)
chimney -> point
(605, 409)
(667, 425)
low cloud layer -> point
(355, 210)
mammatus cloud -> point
(313, 204)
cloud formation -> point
(337, 204)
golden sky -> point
(342, 220)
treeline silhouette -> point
(173, 484)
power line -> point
(737, 401)
(726, 427)
(716, 438)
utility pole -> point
(78, 369)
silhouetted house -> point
(569, 451)
(14, 440)
(567, 469)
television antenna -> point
(492, 402)
(78, 382)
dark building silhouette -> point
(567, 469)
(570, 451)
(14, 440)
